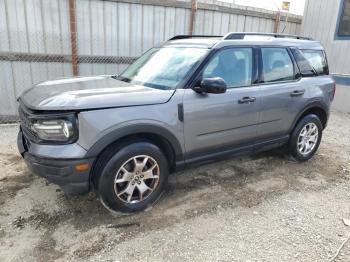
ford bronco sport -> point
(192, 99)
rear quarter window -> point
(317, 60)
(303, 64)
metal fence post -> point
(73, 37)
(277, 22)
(193, 16)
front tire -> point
(133, 177)
(306, 138)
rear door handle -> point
(297, 93)
(246, 100)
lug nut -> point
(138, 182)
(141, 176)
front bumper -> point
(57, 170)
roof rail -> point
(241, 35)
(177, 37)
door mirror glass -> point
(214, 85)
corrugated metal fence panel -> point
(39, 27)
(7, 90)
(123, 29)
(4, 39)
(31, 27)
(324, 29)
(106, 30)
(7, 94)
(219, 23)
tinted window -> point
(277, 65)
(317, 60)
(234, 65)
(344, 21)
(304, 65)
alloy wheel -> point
(307, 138)
(136, 179)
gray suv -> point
(192, 99)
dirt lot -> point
(255, 208)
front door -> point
(214, 122)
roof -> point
(244, 39)
(202, 42)
(302, 44)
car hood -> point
(90, 93)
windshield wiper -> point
(121, 78)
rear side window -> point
(317, 60)
(277, 65)
(234, 65)
(303, 64)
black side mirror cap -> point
(214, 85)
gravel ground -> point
(254, 208)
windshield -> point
(163, 68)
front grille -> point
(26, 124)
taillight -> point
(333, 94)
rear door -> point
(214, 122)
(282, 92)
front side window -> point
(317, 60)
(234, 65)
(277, 65)
(163, 68)
(344, 19)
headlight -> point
(54, 130)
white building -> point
(328, 21)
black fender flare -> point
(133, 129)
(320, 104)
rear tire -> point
(306, 138)
(132, 177)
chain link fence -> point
(45, 40)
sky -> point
(296, 6)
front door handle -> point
(246, 100)
(297, 93)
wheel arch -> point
(317, 108)
(155, 134)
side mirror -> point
(214, 85)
